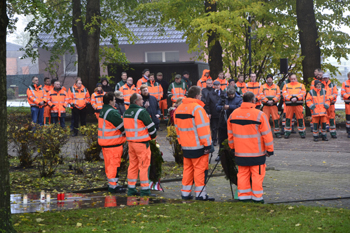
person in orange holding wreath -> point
(318, 102)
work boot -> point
(334, 136)
(286, 136)
(278, 135)
(259, 202)
(315, 139)
(217, 158)
(302, 135)
(133, 192)
(207, 198)
(117, 189)
(145, 193)
(324, 138)
(189, 197)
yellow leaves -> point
(39, 220)
(79, 224)
(138, 214)
(290, 207)
(297, 225)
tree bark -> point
(215, 51)
(310, 47)
(5, 205)
(87, 36)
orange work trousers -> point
(298, 110)
(254, 190)
(47, 115)
(273, 111)
(331, 119)
(163, 105)
(112, 157)
(197, 170)
(315, 122)
(347, 114)
(139, 160)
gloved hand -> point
(312, 107)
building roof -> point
(145, 35)
(12, 47)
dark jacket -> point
(106, 88)
(205, 93)
(210, 103)
(153, 108)
(165, 86)
(187, 81)
(233, 103)
(119, 104)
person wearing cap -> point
(128, 89)
(186, 79)
(177, 89)
(143, 80)
(270, 96)
(124, 77)
(210, 107)
(345, 93)
(97, 99)
(202, 82)
(241, 85)
(332, 93)
(222, 80)
(318, 102)
(254, 86)
(105, 85)
(163, 103)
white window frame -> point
(163, 54)
(64, 65)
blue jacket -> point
(153, 108)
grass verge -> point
(190, 217)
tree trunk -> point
(215, 49)
(308, 36)
(87, 42)
(5, 206)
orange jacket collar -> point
(247, 105)
(188, 100)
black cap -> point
(317, 82)
(269, 76)
(231, 80)
(98, 85)
(145, 70)
(185, 72)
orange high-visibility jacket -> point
(58, 101)
(47, 89)
(249, 134)
(79, 97)
(242, 86)
(270, 93)
(255, 88)
(35, 95)
(97, 100)
(318, 102)
(177, 90)
(332, 92)
(294, 89)
(202, 82)
(138, 124)
(110, 127)
(127, 92)
(345, 91)
(223, 83)
(192, 127)
(155, 89)
(141, 81)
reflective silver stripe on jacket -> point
(109, 130)
(135, 129)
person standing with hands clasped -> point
(250, 138)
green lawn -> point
(190, 217)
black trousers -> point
(214, 125)
(79, 114)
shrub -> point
(92, 153)
(175, 146)
(10, 93)
(49, 141)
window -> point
(168, 56)
(70, 63)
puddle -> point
(78, 201)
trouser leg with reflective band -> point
(139, 160)
(112, 157)
(253, 190)
(331, 119)
(273, 110)
(319, 120)
(195, 169)
(298, 110)
(347, 112)
(47, 115)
